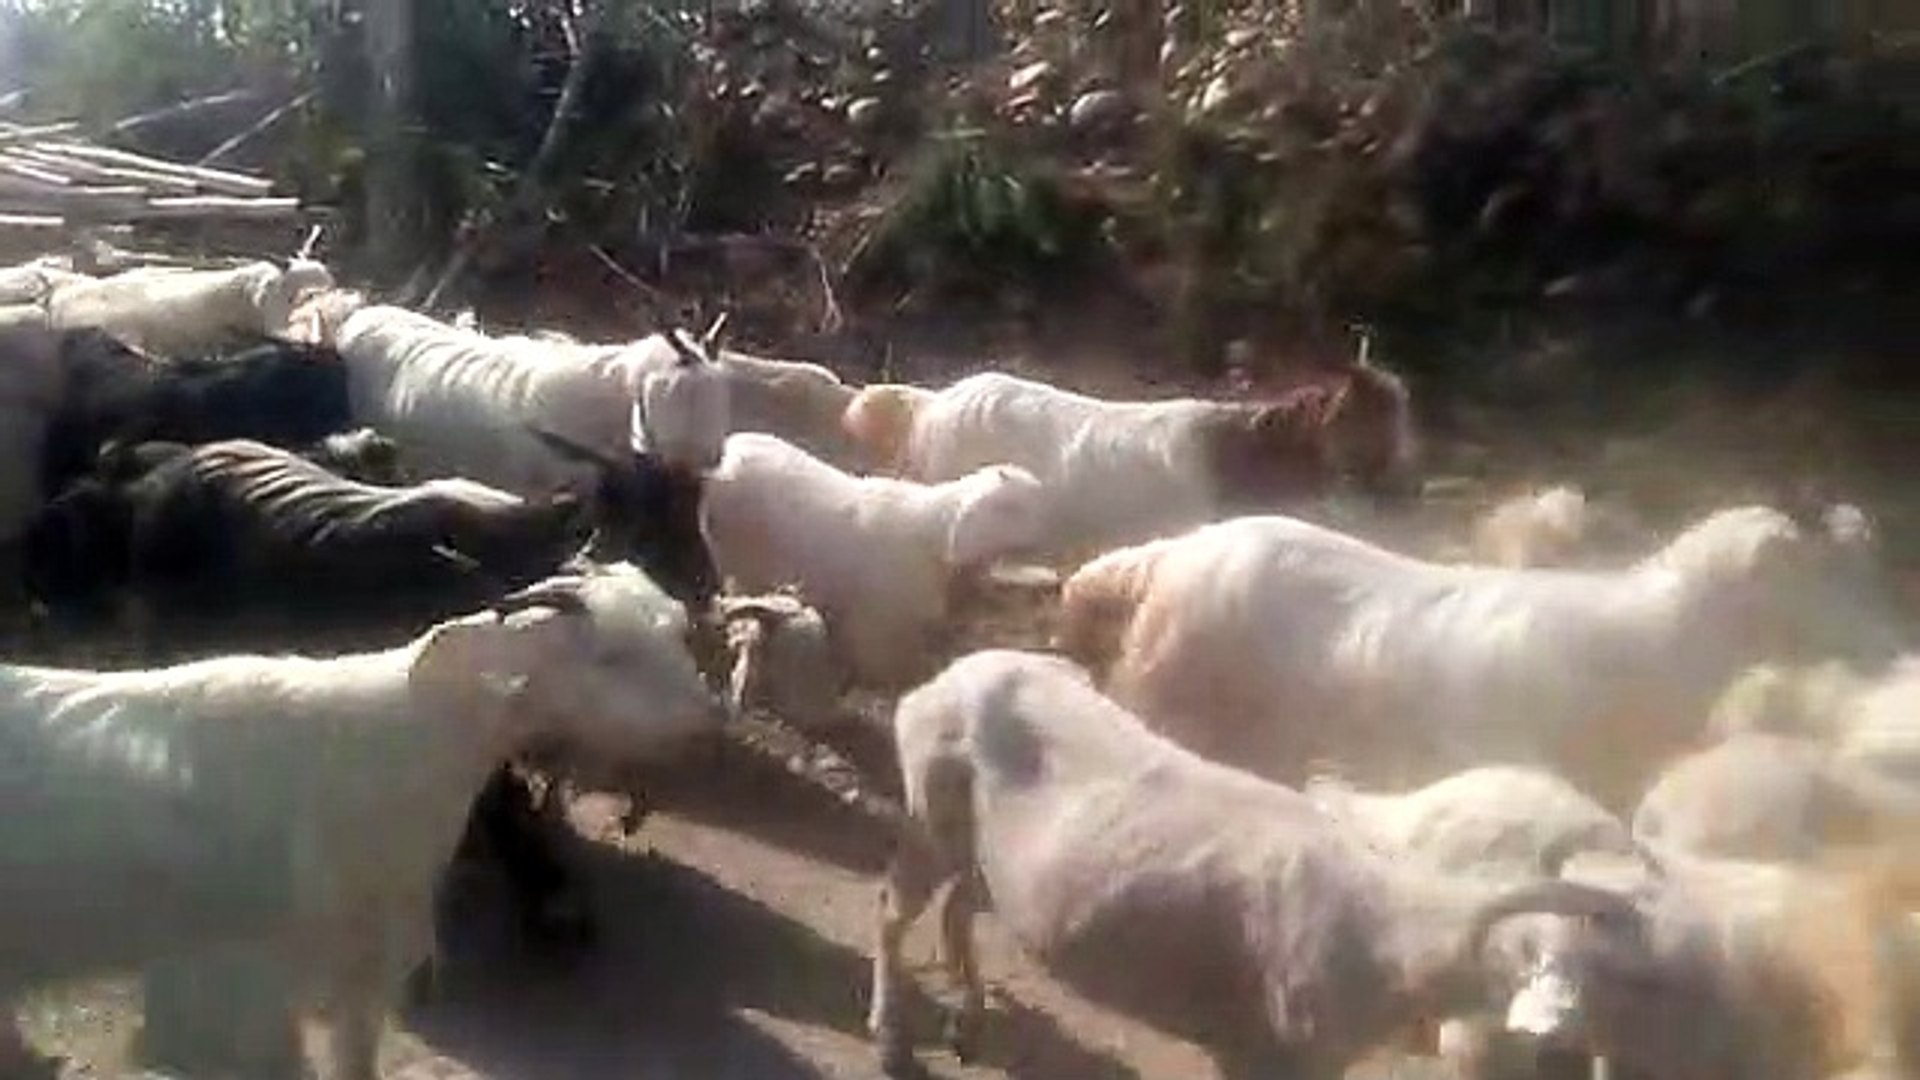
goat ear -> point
(462, 661)
(970, 534)
(457, 559)
(750, 657)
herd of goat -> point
(1273, 788)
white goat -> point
(462, 403)
(1866, 721)
(1879, 728)
(1722, 969)
(174, 312)
(875, 555)
(1216, 906)
(1269, 641)
(1775, 797)
(1547, 527)
(308, 806)
(1120, 472)
(1499, 823)
(22, 316)
(1499, 820)
(31, 283)
(802, 403)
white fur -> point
(1732, 969)
(1116, 472)
(800, 402)
(874, 554)
(32, 283)
(175, 312)
(1497, 820)
(1537, 528)
(22, 316)
(1212, 904)
(460, 402)
(305, 806)
(1266, 640)
(1775, 797)
(1499, 823)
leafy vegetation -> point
(1420, 175)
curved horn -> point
(1550, 897)
(308, 245)
(558, 595)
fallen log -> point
(76, 169)
(14, 133)
(218, 181)
(216, 206)
(184, 108)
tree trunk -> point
(525, 212)
(393, 187)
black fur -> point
(280, 393)
(210, 537)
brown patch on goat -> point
(880, 420)
(1865, 999)
(1299, 444)
(1097, 608)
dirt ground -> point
(734, 945)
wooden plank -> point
(216, 180)
(78, 169)
(23, 170)
(17, 134)
(218, 207)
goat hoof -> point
(896, 1057)
(963, 1035)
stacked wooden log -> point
(50, 179)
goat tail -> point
(1097, 607)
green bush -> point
(976, 221)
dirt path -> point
(736, 946)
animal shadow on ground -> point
(1015, 1038)
(745, 793)
(653, 996)
(657, 994)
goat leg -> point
(903, 896)
(18, 1061)
(957, 948)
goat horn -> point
(560, 596)
(688, 354)
(568, 448)
(756, 607)
(1551, 897)
(711, 339)
(457, 559)
(312, 241)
